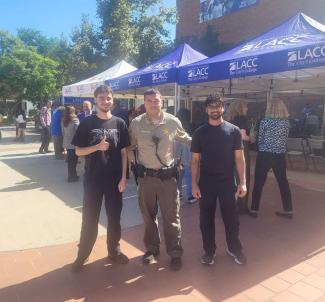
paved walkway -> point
(286, 258)
(41, 208)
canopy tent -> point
(162, 72)
(85, 88)
(290, 57)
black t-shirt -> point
(216, 145)
(241, 122)
(90, 132)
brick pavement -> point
(286, 261)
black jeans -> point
(277, 162)
(72, 160)
(45, 138)
(94, 190)
(211, 188)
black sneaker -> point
(78, 265)
(191, 199)
(239, 258)
(73, 179)
(207, 259)
(288, 215)
(252, 214)
(176, 264)
(119, 258)
(149, 257)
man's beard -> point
(104, 110)
(215, 116)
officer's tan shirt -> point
(169, 129)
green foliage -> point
(134, 29)
(26, 74)
(35, 67)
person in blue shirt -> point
(56, 132)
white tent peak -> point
(87, 86)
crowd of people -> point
(163, 150)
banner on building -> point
(213, 9)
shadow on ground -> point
(272, 244)
(46, 173)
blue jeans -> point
(185, 172)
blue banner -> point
(76, 100)
(161, 72)
(296, 44)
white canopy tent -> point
(87, 87)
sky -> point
(51, 17)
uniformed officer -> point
(152, 136)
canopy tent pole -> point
(269, 96)
(323, 124)
(230, 87)
(176, 99)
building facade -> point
(237, 21)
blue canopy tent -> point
(288, 58)
(161, 73)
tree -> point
(117, 30)
(134, 30)
(7, 42)
(25, 74)
(36, 39)
(87, 49)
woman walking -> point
(272, 139)
(237, 115)
(70, 124)
(21, 125)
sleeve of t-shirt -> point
(124, 135)
(196, 145)
(80, 138)
(238, 142)
(132, 134)
(242, 123)
(181, 134)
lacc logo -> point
(134, 81)
(198, 73)
(245, 66)
(115, 85)
(160, 77)
(307, 54)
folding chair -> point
(316, 150)
(296, 147)
(317, 137)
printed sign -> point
(213, 9)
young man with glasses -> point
(217, 149)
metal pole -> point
(175, 99)
(269, 97)
(323, 125)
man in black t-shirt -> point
(103, 139)
(216, 149)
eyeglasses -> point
(215, 106)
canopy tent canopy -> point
(288, 58)
(162, 72)
(86, 88)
